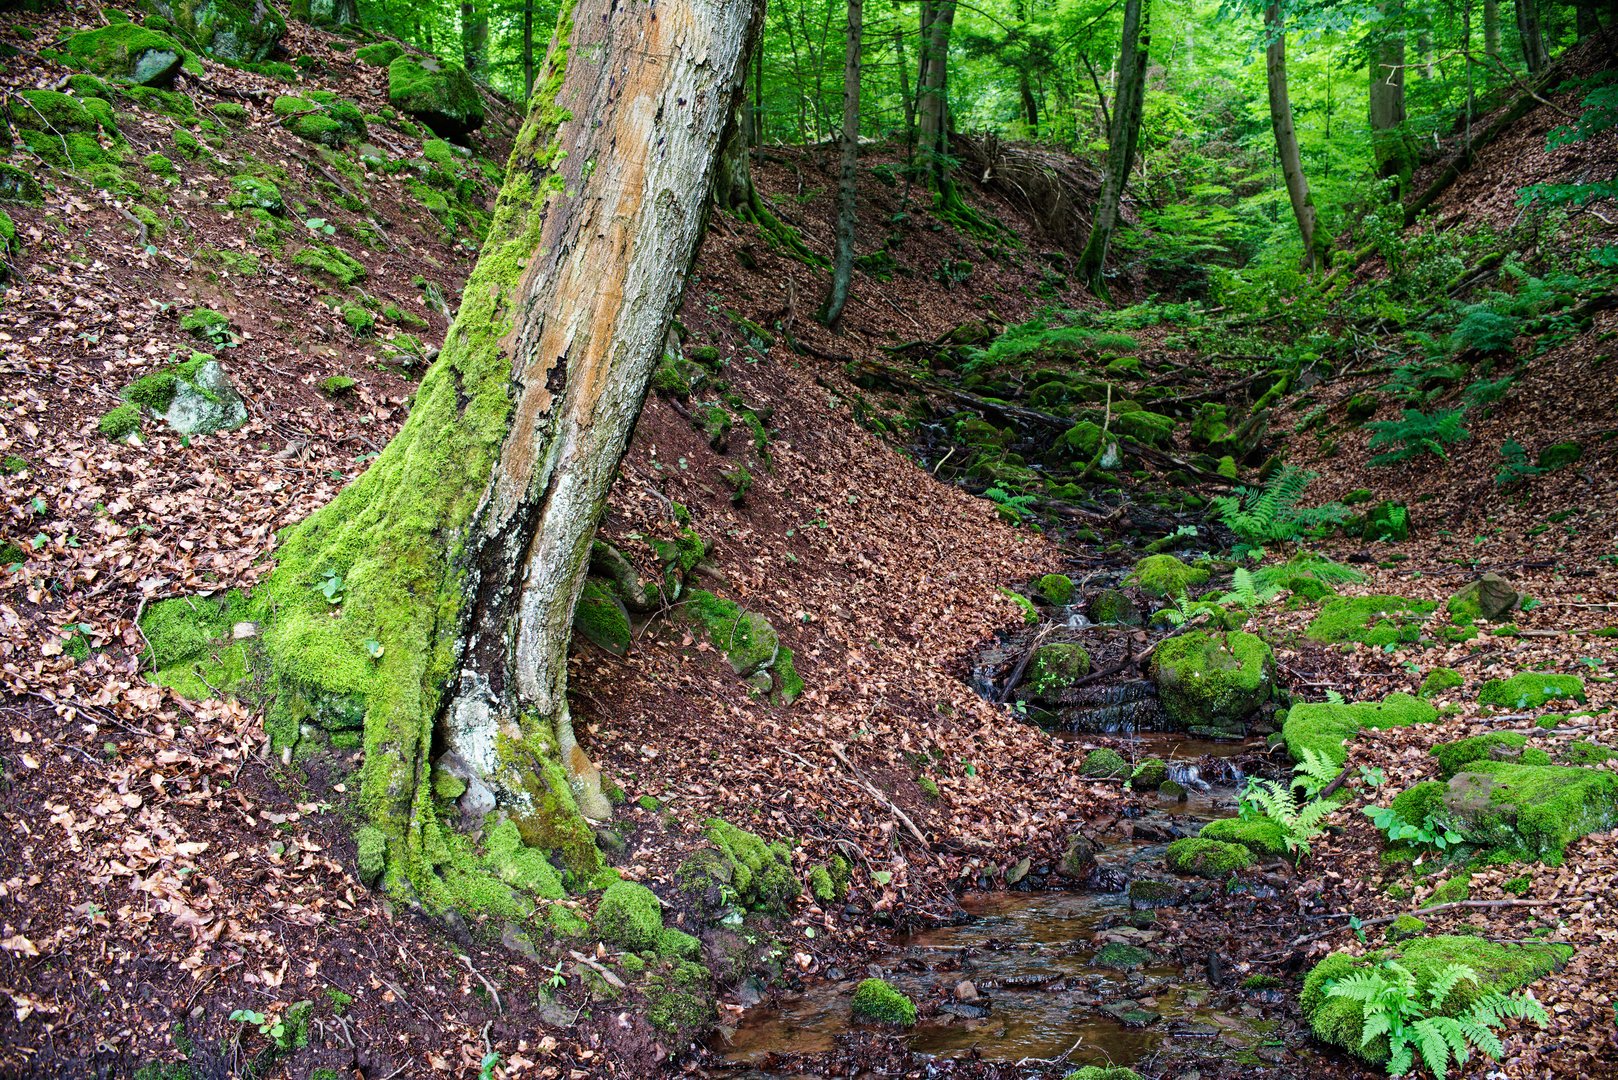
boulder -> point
(1489, 598)
(244, 32)
(1533, 811)
(439, 94)
(1057, 667)
(326, 12)
(1112, 606)
(1211, 681)
(125, 52)
(205, 402)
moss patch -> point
(1532, 690)
(746, 639)
(602, 618)
(1206, 858)
(629, 916)
(1104, 762)
(1497, 745)
(1165, 575)
(1324, 727)
(876, 1000)
(1532, 810)
(1440, 679)
(761, 873)
(1211, 681)
(1055, 588)
(1371, 620)
(1057, 667)
(1262, 836)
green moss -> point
(1030, 613)
(1143, 426)
(601, 617)
(439, 94)
(1420, 802)
(1206, 858)
(1531, 690)
(337, 385)
(1149, 775)
(1452, 890)
(1165, 575)
(159, 165)
(877, 1001)
(1103, 1072)
(1500, 968)
(1440, 679)
(1112, 606)
(1373, 620)
(321, 117)
(1262, 836)
(120, 422)
(1533, 810)
(1455, 756)
(1405, 927)
(380, 54)
(1582, 752)
(1211, 681)
(680, 1000)
(1518, 886)
(1103, 762)
(565, 922)
(254, 191)
(521, 866)
(746, 638)
(193, 648)
(629, 916)
(678, 943)
(1057, 666)
(204, 323)
(761, 873)
(1325, 727)
(1055, 588)
(1120, 956)
(331, 262)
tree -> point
(1491, 27)
(475, 38)
(847, 181)
(1395, 157)
(1531, 37)
(1286, 136)
(1122, 136)
(434, 595)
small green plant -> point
(1313, 773)
(1412, 1018)
(556, 980)
(1184, 612)
(1515, 467)
(1299, 824)
(1430, 833)
(1417, 434)
(331, 587)
(1270, 514)
(1014, 508)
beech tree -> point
(848, 176)
(434, 595)
(1123, 132)
(1286, 136)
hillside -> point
(882, 504)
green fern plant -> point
(1417, 434)
(1413, 1020)
(1313, 773)
(1014, 508)
(1184, 611)
(1515, 466)
(1268, 582)
(1299, 823)
(1270, 514)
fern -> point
(1412, 1018)
(1299, 825)
(1417, 434)
(1268, 582)
(1516, 467)
(1484, 329)
(1271, 513)
(1314, 773)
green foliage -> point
(877, 1001)
(1428, 833)
(1417, 434)
(1277, 803)
(1413, 1019)
(1165, 575)
(1052, 335)
(1515, 467)
(1260, 516)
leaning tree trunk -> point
(452, 566)
(842, 270)
(1395, 157)
(1122, 135)
(1286, 137)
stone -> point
(1489, 597)
(1112, 606)
(205, 403)
(128, 53)
(1210, 681)
(245, 32)
(439, 94)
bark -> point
(1122, 136)
(847, 182)
(1491, 27)
(475, 38)
(1030, 104)
(1395, 158)
(904, 88)
(931, 126)
(1286, 137)
(462, 550)
(527, 49)
(1586, 20)
(1531, 37)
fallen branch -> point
(904, 818)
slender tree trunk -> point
(1389, 143)
(1030, 104)
(931, 126)
(527, 49)
(462, 550)
(1533, 40)
(1586, 21)
(475, 38)
(758, 94)
(1491, 28)
(1122, 135)
(1286, 137)
(842, 270)
(904, 87)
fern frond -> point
(1447, 978)
(1377, 1022)
(1400, 1059)
(1481, 1036)
(1434, 1049)
(1365, 986)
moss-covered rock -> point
(120, 422)
(1080, 442)
(1211, 681)
(331, 262)
(1493, 746)
(1532, 690)
(1149, 775)
(1439, 680)
(128, 53)
(1372, 620)
(1055, 588)
(630, 916)
(1405, 927)
(1559, 455)
(1263, 836)
(195, 397)
(1104, 762)
(876, 1000)
(1112, 606)
(602, 618)
(520, 866)
(333, 13)
(761, 874)
(380, 54)
(747, 640)
(1057, 667)
(1165, 575)
(1201, 857)
(439, 94)
(1500, 969)
(1490, 597)
(1583, 752)
(1149, 894)
(1121, 956)
(236, 30)
(1532, 810)
(1103, 1072)
(192, 645)
(321, 117)
(679, 998)
(19, 186)
(254, 191)
(1150, 428)
(1324, 727)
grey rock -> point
(208, 404)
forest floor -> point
(162, 873)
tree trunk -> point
(904, 87)
(1491, 27)
(475, 38)
(931, 126)
(757, 139)
(1586, 20)
(842, 271)
(527, 49)
(1122, 135)
(1030, 104)
(460, 553)
(1286, 137)
(1533, 41)
(1395, 159)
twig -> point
(904, 819)
(487, 985)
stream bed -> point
(1028, 977)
